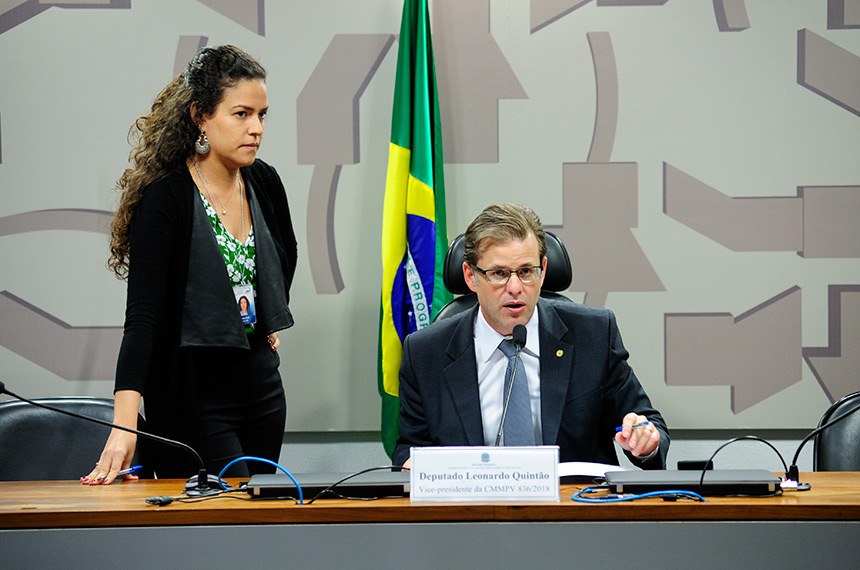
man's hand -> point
(640, 441)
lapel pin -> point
(559, 353)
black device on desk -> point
(363, 485)
(714, 482)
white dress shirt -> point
(491, 375)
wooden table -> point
(67, 525)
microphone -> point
(793, 473)
(202, 486)
(519, 337)
(519, 340)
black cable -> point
(733, 440)
(348, 498)
(164, 500)
(330, 488)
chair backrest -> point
(559, 275)
(838, 447)
(38, 444)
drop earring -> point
(201, 145)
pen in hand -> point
(634, 426)
(130, 470)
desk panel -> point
(491, 546)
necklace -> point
(241, 207)
(209, 194)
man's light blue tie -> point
(518, 427)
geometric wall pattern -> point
(698, 159)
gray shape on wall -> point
(14, 12)
(545, 12)
(731, 15)
(758, 353)
(631, 2)
(250, 14)
(835, 366)
(600, 206)
(472, 75)
(828, 70)
(830, 221)
(81, 220)
(322, 248)
(27, 330)
(327, 109)
(327, 124)
(72, 353)
(843, 14)
(186, 48)
(740, 224)
(606, 87)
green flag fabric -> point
(414, 233)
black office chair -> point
(838, 447)
(38, 444)
(559, 276)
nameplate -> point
(484, 474)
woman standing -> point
(201, 223)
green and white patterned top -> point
(238, 256)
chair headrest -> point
(559, 274)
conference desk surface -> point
(834, 496)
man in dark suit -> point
(580, 386)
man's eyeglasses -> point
(526, 275)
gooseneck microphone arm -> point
(519, 340)
(202, 487)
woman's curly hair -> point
(164, 138)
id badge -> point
(245, 300)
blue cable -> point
(272, 463)
(579, 496)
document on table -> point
(585, 469)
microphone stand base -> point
(204, 491)
(202, 485)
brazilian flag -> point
(414, 234)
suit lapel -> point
(461, 376)
(556, 369)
